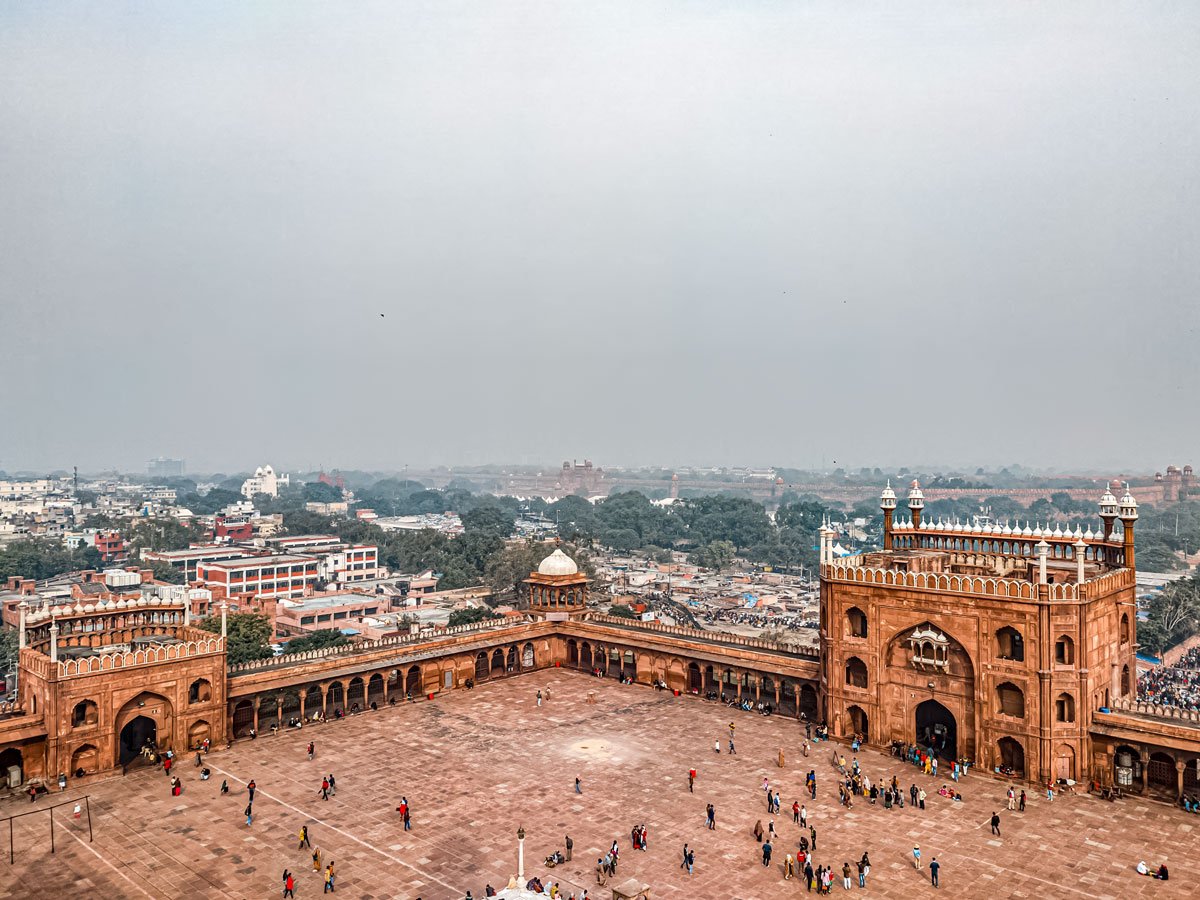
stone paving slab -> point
(477, 764)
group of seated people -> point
(1159, 873)
(1190, 804)
(950, 792)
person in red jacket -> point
(289, 884)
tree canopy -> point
(248, 636)
(317, 640)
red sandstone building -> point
(1011, 645)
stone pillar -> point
(1179, 767)
(1080, 557)
(324, 700)
(1042, 550)
(1145, 763)
(53, 640)
(303, 694)
(256, 702)
(1115, 688)
(23, 607)
(224, 621)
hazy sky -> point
(722, 233)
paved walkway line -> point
(1030, 875)
(343, 833)
(88, 847)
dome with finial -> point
(558, 563)
(1128, 505)
(916, 499)
(1108, 504)
(887, 500)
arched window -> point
(1124, 628)
(856, 672)
(200, 691)
(1010, 700)
(856, 622)
(85, 713)
(1010, 644)
(1065, 708)
(1064, 651)
(1126, 687)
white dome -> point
(558, 563)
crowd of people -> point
(1175, 685)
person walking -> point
(332, 785)
(324, 791)
(691, 781)
(789, 867)
(934, 866)
(1050, 791)
(921, 795)
(683, 861)
(570, 847)
(316, 858)
(846, 875)
(251, 787)
(304, 838)
(224, 786)
(758, 831)
(1012, 798)
(862, 874)
(249, 814)
(712, 817)
(796, 810)
(578, 785)
(732, 752)
(691, 860)
(767, 854)
(600, 871)
(808, 874)
(716, 746)
(912, 793)
(812, 835)
(996, 824)
(407, 818)
(289, 884)
(865, 862)
(312, 750)
(916, 856)
(812, 786)
(329, 880)
(539, 698)
(1022, 806)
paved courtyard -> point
(477, 764)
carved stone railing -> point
(1157, 710)
(710, 636)
(146, 656)
(364, 647)
(944, 583)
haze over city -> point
(373, 235)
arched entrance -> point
(243, 718)
(412, 681)
(1160, 774)
(1012, 756)
(808, 702)
(936, 728)
(11, 759)
(585, 657)
(481, 665)
(693, 678)
(1064, 763)
(858, 722)
(140, 732)
(572, 653)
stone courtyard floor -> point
(477, 764)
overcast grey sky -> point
(724, 233)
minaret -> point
(887, 502)
(1108, 512)
(916, 503)
(24, 608)
(1128, 515)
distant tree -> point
(471, 615)
(716, 555)
(164, 571)
(488, 519)
(317, 640)
(9, 650)
(622, 611)
(249, 636)
(320, 492)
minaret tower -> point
(1108, 512)
(916, 503)
(1128, 515)
(887, 502)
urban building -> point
(263, 576)
(264, 481)
(163, 467)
